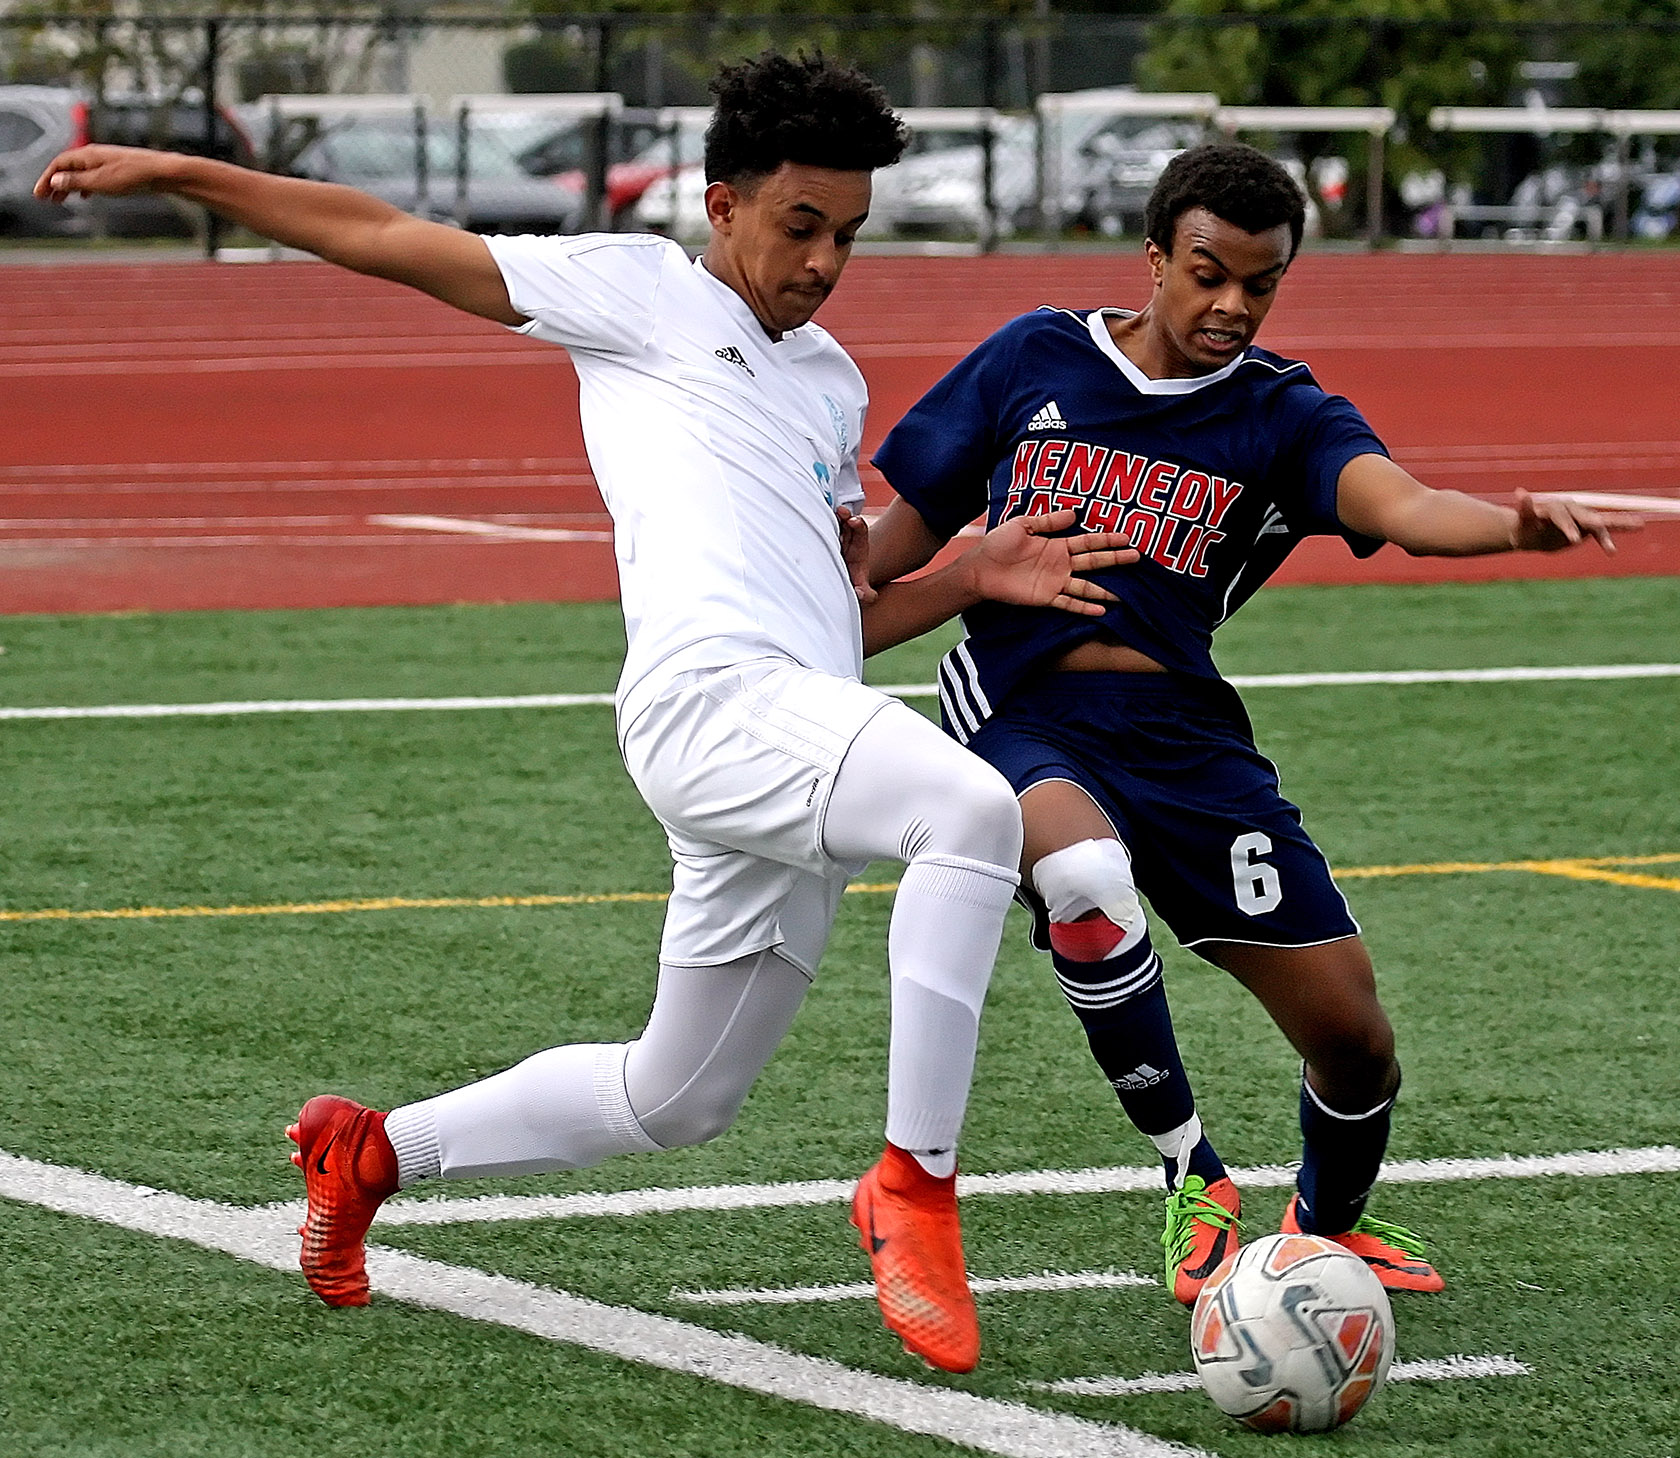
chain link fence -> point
(1049, 127)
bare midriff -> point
(1105, 655)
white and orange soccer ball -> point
(1293, 1334)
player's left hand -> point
(1022, 561)
(854, 551)
(1554, 521)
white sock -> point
(947, 922)
(564, 1108)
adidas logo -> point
(1141, 1077)
(1049, 417)
(731, 355)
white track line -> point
(991, 1426)
(1627, 501)
(901, 690)
(865, 1290)
(1434, 1369)
(467, 526)
(1122, 1179)
(1456, 675)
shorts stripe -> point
(957, 698)
(971, 675)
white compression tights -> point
(904, 792)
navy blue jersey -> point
(1214, 479)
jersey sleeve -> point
(1330, 433)
(848, 490)
(940, 456)
(595, 292)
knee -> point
(691, 1117)
(1352, 1058)
(1085, 878)
(974, 814)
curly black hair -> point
(1233, 181)
(803, 109)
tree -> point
(158, 48)
(1410, 55)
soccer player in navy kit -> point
(1133, 760)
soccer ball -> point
(1292, 1334)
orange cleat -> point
(1392, 1252)
(907, 1221)
(1202, 1229)
(348, 1168)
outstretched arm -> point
(1380, 499)
(1019, 562)
(340, 224)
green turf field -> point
(1536, 1011)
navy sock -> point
(1122, 1003)
(1340, 1157)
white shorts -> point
(739, 765)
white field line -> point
(865, 1290)
(1434, 1369)
(1013, 1430)
(308, 706)
(1121, 1179)
(1576, 674)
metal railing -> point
(1047, 124)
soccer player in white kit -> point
(723, 428)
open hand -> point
(104, 171)
(1551, 522)
(1021, 562)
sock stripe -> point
(1114, 992)
(1325, 1108)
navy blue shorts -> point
(1170, 760)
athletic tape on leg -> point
(1089, 875)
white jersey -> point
(720, 454)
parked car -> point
(675, 204)
(1120, 163)
(664, 185)
(384, 156)
(939, 187)
(561, 149)
(38, 122)
(1095, 162)
(1658, 213)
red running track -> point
(188, 435)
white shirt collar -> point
(1097, 323)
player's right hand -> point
(1022, 561)
(104, 171)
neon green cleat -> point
(1395, 1254)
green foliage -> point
(1410, 55)
(1629, 58)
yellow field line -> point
(1586, 868)
(1580, 867)
(1577, 872)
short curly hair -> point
(1233, 181)
(803, 109)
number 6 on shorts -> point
(1254, 881)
